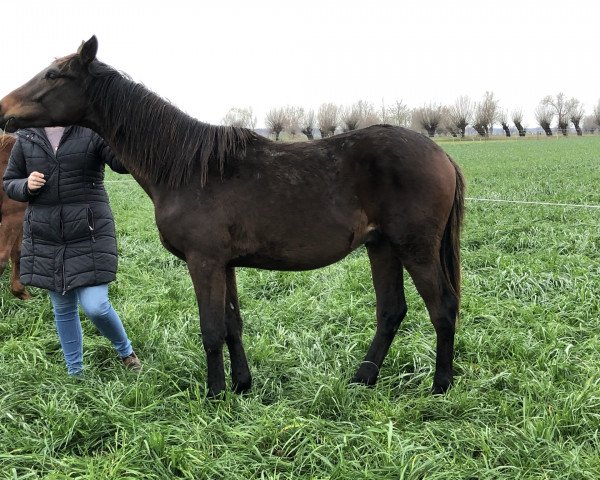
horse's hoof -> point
(440, 388)
(22, 295)
(366, 374)
(214, 395)
(242, 386)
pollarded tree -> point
(576, 113)
(459, 115)
(448, 125)
(370, 116)
(503, 119)
(277, 121)
(517, 118)
(429, 117)
(486, 113)
(308, 123)
(295, 116)
(596, 114)
(544, 116)
(327, 118)
(359, 115)
(561, 108)
(240, 117)
(589, 124)
(350, 117)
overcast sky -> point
(207, 57)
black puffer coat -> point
(68, 232)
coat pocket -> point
(42, 223)
(77, 223)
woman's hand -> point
(35, 181)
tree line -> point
(432, 119)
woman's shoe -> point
(132, 362)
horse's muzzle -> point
(8, 124)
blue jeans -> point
(97, 307)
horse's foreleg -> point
(240, 373)
(442, 306)
(210, 287)
(5, 247)
(16, 287)
(387, 271)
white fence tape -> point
(473, 199)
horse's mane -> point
(6, 143)
(167, 143)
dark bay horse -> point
(11, 225)
(224, 197)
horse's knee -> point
(213, 341)
(390, 321)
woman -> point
(69, 243)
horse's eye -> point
(51, 75)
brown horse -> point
(225, 197)
(11, 225)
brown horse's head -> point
(54, 97)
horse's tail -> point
(450, 249)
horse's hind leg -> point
(387, 272)
(442, 305)
(240, 373)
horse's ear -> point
(87, 51)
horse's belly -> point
(268, 261)
(307, 249)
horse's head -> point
(55, 96)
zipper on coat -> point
(91, 223)
(63, 271)
(29, 215)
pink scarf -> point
(54, 134)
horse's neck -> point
(131, 164)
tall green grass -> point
(526, 404)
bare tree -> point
(544, 115)
(359, 115)
(327, 118)
(396, 114)
(448, 125)
(351, 117)
(576, 113)
(294, 115)
(596, 113)
(486, 113)
(589, 124)
(370, 116)
(460, 115)
(277, 121)
(429, 117)
(517, 118)
(503, 119)
(240, 117)
(560, 106)
(307, 124)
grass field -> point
(526, 403)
